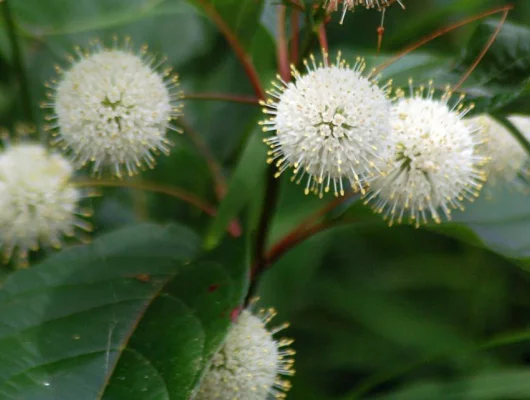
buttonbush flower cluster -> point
(508, 160)
(330, 123)
(412, 155)
(38, 203)
(113, 107)
(250, 363)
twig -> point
(223, 97)
(483, 52)
(234, 42)
(306, 229)
(295, 27)
(158, 188)
(282, 47)
(437, 34)
(293, 239)
(272, 186)
(323, 41)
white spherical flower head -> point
(113, 108)
(37, 202)
(508, 160)
(248, 364)
(435, 160)
(331, 125)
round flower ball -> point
(38, 204)
(331, 126)
(248, 365)
(508, 160)
(113, 108)
(436, 165)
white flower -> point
(331, 124)
(248, 364)
(508, 160)
(37, 202)
(435, 161)
(113, 108)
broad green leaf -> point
(499, 220)
(128, 316)
(63, 17)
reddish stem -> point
(313, 219)
(282, 48)
(293, 239)
(295, 26)
(439, 33)
(483, 52)
(323, 40)
(236, 45)
(158, 188)
(234, 98)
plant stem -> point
(17, 60)
(236, 45)
(323, 41)
(484, 51)
(307, 228)
(272, 186)
(293, 239)
(439, 33)
(223, 97)
(269, 205)
(282, 48)
(158, 188)
(295, 26)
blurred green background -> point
(378, 313)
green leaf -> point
(503, 75)
(499, 219)
(65, 17)
(129, 316)
(242, 187)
